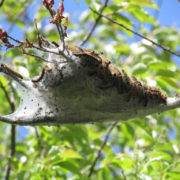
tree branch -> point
(1, 3)
(12, 152)
(94, 25)
(36, 56)
(138, 34)
(7, 96)
(38, 137)
(101, 148)
(11, 101)
(58, 25)
(53, 99)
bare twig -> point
(1, 3)
(101, 148)
(123, 175)
(53, 51)
(138, 34)
(11, 101)
(94, 25)
(43, 49)
(38, 137)
(29, 44)
(12, 152)
(16, 40)
(6, 95)
(36, 56)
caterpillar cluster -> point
(108, 73)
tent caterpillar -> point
(7, 69)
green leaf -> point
(157, 156)
(69, 166)
(157, 65)
(70, 153)
(124, 21)
(140, 14)
(106, 173)
(112, 8)
(124, 162)
(164, 147)
(88, 2)
(117, 1)
(128, 130)
(174, 175)
(147, 3)
(170, 82)
(166, 73)
(139, 68)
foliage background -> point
(144, 148)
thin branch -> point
(138, 34)
(20, 42)
(127, 114)
(101, 148)
(1, 3)
(123, 175)
(6, 95)
(38, 137)
(56, 51)
(12, 152)
(53, 51)
(29, 44)
(36, 56)
(11, 101)
(94, 25)
(45, 49)
(40, 121)
(58, 26)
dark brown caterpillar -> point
(124, 83)
(7, 69)
(43, 71)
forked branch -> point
(86, 38)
